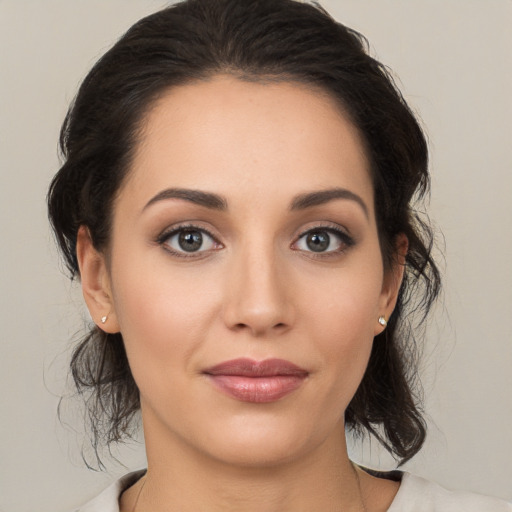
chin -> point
(264, 443)
(260, 453)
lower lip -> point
(257, 389)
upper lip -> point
(245, 367)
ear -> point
(95, 281)
(392, 281)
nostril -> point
(241, 326)
(259, 309)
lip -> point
(256, 381)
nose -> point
(258, 295)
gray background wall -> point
(454, 62)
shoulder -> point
(417, 494)
(108, 500)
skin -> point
(256, 289)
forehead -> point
(231, 136)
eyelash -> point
(166, 235)
(346, 240)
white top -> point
(414, 495)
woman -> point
(236, 200)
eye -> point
(323, 240)
(186, 240)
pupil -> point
(190, 241)
(318, 241)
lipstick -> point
(256, 381)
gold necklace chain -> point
(353, 468)
(139, 493)
(359, 487)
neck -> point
(181, 478)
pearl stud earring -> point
(382, 321)
(104, 319)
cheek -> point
(342, 318)
(347, 302)
(163, 316)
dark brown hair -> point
(278, 40)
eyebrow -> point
(217, 202)
(206, 199)
(310, 199)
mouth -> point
(256, 381)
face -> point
(244, 270)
